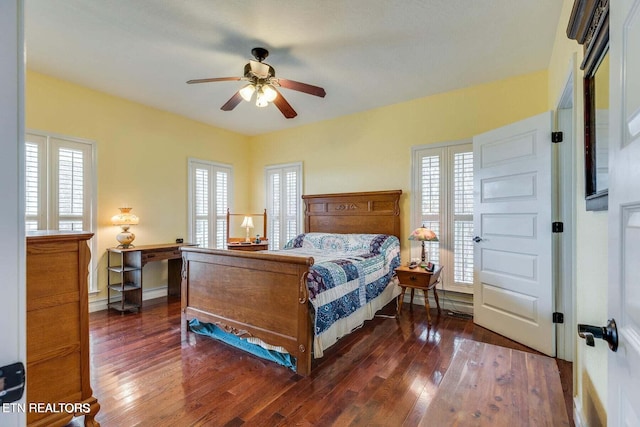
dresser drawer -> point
(159, 255)
(413, 279)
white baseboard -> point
(449, 301)
(101, 304)
(577, 412)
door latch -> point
(608, 333)
(11, 382)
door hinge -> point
(557, 227)
(556, 136)
(558, 317)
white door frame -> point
(12, 245)
(565, 212)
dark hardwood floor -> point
(148, 371)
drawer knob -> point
(413, 278)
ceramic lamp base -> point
(125, 239)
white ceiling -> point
(365, 53)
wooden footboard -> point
(251, 294)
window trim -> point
(92, 196)
(300, 172)
(446, 256)
(191, 163)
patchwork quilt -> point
(349, 271)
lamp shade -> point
(269, 92)
(125, 217)
(423, 234)
(247, 222)
(247, 92)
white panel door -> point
(623, 407)
(513, 287)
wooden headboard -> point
(375, 212)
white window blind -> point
(70, 189)
(59, 182)
(35, 185)
(210, 193)
(284, 203)
(59, 186)
(463, 217)
(443, 202)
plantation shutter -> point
(443, 196)
(71, 188)
(284, 195)
(430, 212)
(463, 217)
(35, 183)
(273, 209)
(210, 199)
(58, 183)
(221, 205)
(201, 207)
(292, 203)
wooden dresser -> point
(58, 328)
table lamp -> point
(247, 223)
(423, 234)
(125, 219)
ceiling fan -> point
(263, 82)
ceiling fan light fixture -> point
(269, 93)
(261, 79)
(247, 92)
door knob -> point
(477, 239)
(608, 333)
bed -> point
(272, 297)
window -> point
(284, 195)
(59, 185)
(210, 189)
(443, 201)
(59, 182)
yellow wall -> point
(372, 150)
(142, 157)
(590, 364)
(142, 152)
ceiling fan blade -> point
(232, 102)
(215, 79)
(302, 87)
(285, 108)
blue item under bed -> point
(211, 330)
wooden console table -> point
(488, 385)
(124, 267)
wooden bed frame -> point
(265, 295)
